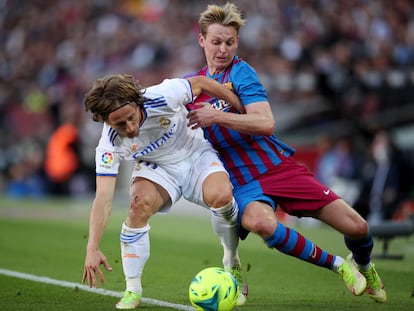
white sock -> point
(224, 222)
(337, 263)
(135, 251)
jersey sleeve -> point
(178, 92)
(247, 85)
(107, 157)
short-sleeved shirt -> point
(246, 157)
(163, 130)
(166, 151)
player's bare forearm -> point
(101, 209)
(98, 220)
(202, 84)
(254, 122)
(100, 212)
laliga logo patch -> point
(107, 158)
(164, 122)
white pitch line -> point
(101, 291)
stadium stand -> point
(324, 72)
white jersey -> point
(164, 137)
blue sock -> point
(292, 243)
(361, 249)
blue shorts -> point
(246, 194)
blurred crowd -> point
(320, 60)
(377, 180)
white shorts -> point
(184, 178)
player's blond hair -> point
(227, 15)
(112, 92)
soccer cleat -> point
(129, 300)
(238, 274)
(353, 279)
(375, 287)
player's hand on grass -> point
(92, 268)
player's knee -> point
(259, 218)
(360, 229)
(217, 190)
(219, 198)
(357, 227)
(141, 207)
(262, 226)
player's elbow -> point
(268, 128)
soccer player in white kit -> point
(149, 126)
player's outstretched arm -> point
(100, 212)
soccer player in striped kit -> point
(262, 168)
(149, 127)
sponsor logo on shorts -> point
(326, 192)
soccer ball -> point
(213, 289)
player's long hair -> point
(112, 92)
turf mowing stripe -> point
(101, 291)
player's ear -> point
(201, 40)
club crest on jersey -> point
(229, 86)
(164, 122)
(134, 147)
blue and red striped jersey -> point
(244, 156)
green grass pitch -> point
(48, 238)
